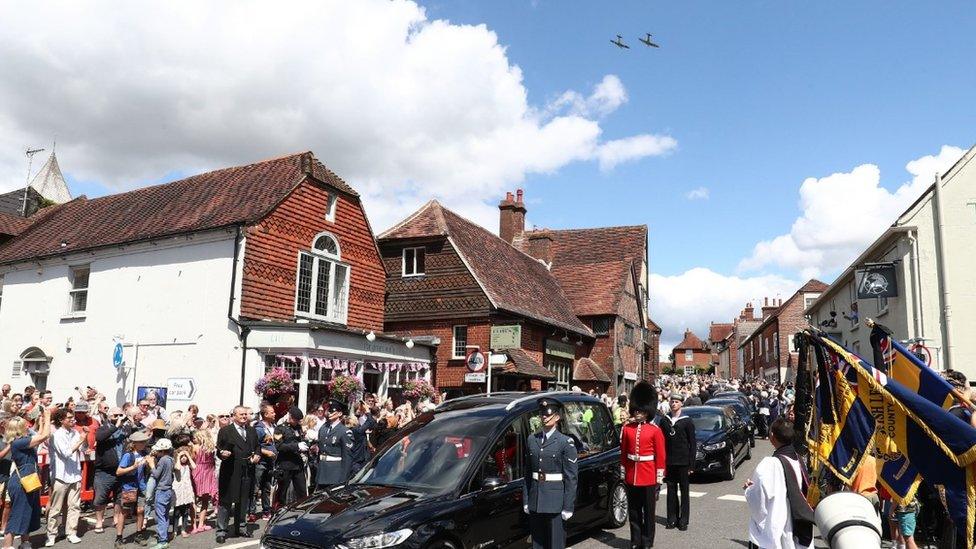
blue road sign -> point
(117, 355)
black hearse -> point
(452, 478)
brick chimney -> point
(511, 218)
(768, 309)
(748, 313)
(540, 245)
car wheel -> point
(442, 544)
(729, 472)
(617, 515)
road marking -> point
(696, 494)
(733, 497)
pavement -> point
(719, 519)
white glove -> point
(660, 476)
(525, 509)
(566, 515)
(303, 447)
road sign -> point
(180, 388)
(479, 377)
(117, 355)
(475, 361)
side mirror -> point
(491, 483)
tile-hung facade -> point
(933, 251)
(204, 284)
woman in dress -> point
(25, 508)
(204, 476)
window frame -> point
(597, 331)
(689, 355)
(330, 206)
(73, 272)
(563, 372)
(454, 342)
(403, 262)
(334, 262)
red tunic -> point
(642, 453)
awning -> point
(350, 366)
(520, 364)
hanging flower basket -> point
(274, 384)
(344, 387)
(418, 390)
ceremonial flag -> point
(939, 445)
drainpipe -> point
(243, 331)
(941, 266)
(916, 285)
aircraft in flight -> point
(647, 41)
(619, 42)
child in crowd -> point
(183, 492)
(163, 475)
(904, 516)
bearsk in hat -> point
(643, 398)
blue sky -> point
(809, 126)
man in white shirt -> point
(777, 519)
(65, 449)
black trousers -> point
(677, 477)
(229, 509)
(547, 531)
(294, 479)
(641, 504)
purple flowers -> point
(275, 383)
(419, 389)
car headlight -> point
(378, 541)
(712, 447)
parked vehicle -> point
(723, 440)
(742, 411)
(452, 479)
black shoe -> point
(670, 526)
(683, 527)
(221, 538)
(245, 533)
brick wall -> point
(271, 257)
(448, 371)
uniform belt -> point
(548, 477)
(331, 458)
(635, 457)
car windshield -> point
(432, 453)
(707, 420)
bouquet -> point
(275, 383)
(419, 389)
(344, 387)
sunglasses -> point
(223, 416)
(115, 416)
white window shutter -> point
(18, 368)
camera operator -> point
(109, 444)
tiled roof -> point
(652, 326)
(719, 331)
(12, 225)
(230, 196)
(520, 363)
(591, 265)
(587, 370)
(813, 285)
(513, 281)
(690, 341)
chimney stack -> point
(511, 218)
(748, 313)
(540, 246)
(768, 309)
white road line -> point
(733, 497)
(696, 494)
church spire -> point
(50, 183)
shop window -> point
(562, 372)
(78, 295)
(601, 325)
(460, 342)
(413, 261)
(322, 285)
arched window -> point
(36, 364)
(322, 284)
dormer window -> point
(414, 261)
(322, 285)
(330, 207)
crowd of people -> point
(186, 472)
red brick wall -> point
(271, 257)
(789, 321)
(448, 372)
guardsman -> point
(549, 491)
(643, 455)
(335, 448)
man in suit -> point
(239, 450)
(549, 491)
(681, 449)
(335, 448)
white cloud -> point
(701, 193)
(403, 107)
(699, 296)
(843, 213)
(607, 97)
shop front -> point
(315, 355)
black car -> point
(452, 478)
(723, 440)
(743, 411)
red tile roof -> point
(512, 280)
(520, 363)
(13, 225)
(718, 331)
(592, 265)
(690, 341)
(587, 370)
(230, 196)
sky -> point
(764, 143)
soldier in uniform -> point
(679, 436)
(643, 455)
(549, 491)
(335, 448)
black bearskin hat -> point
(643, 398)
